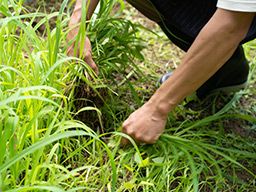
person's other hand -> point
(87, 50)
(145, 125)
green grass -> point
(43, 93)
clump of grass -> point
(116, 47)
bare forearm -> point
(79, 48)
(212, 48)
(77, 13)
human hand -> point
(87, 50)
(145, 125)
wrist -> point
(160, 107)
(162, 102)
